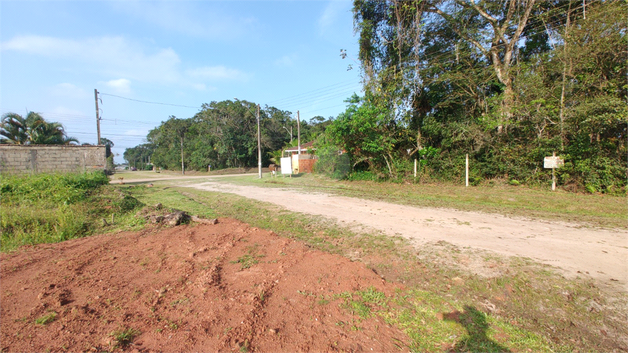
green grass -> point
(246, 261)
(250, 258)
(596, 210)
(125, 336)
(46, 319)
(523, 306)
(49, 208)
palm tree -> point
(14, 129)
(33, 129)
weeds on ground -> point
(249, 259)
(125, 336)
(46, 319)
(49, 208)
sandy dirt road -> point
(575, 249)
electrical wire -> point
(148, 102)
(297, 97)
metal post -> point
(259, 146)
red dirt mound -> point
(223, 287)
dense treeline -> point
(506, 82)
(223, 135)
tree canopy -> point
(224, 135)
(33, 130)
(506, 82)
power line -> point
(105, 134)
(323, 98)
(148, 102)
(128, 121)
(341, 84)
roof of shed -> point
(304, 147)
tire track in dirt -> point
(575, 249)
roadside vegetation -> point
(498, 304)
(49, 208)
(498, 197)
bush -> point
(48, 208)
(363, 175)
(56, 188)
(129, 203)
(332, 162)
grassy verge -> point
(511, 304)
(587, 209)
(49, 208)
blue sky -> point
(53, 54)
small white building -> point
(302, 162)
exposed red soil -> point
(183, 289)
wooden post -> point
(415, 168)
(466, 171)
(553, 175)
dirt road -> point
(575, 249)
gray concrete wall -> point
(17, 159)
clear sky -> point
(53, 54)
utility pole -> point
(299, 131)
(182, 164)
(259, 146)
(97, 116)
(290, 131)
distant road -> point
(116, 178)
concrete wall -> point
(17, 159)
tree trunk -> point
(562, 89)
(507, 106)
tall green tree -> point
(508, 82)
(170, 140)
(367, 132)
(139, 156)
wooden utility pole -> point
(97, 116)
(299, 131)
